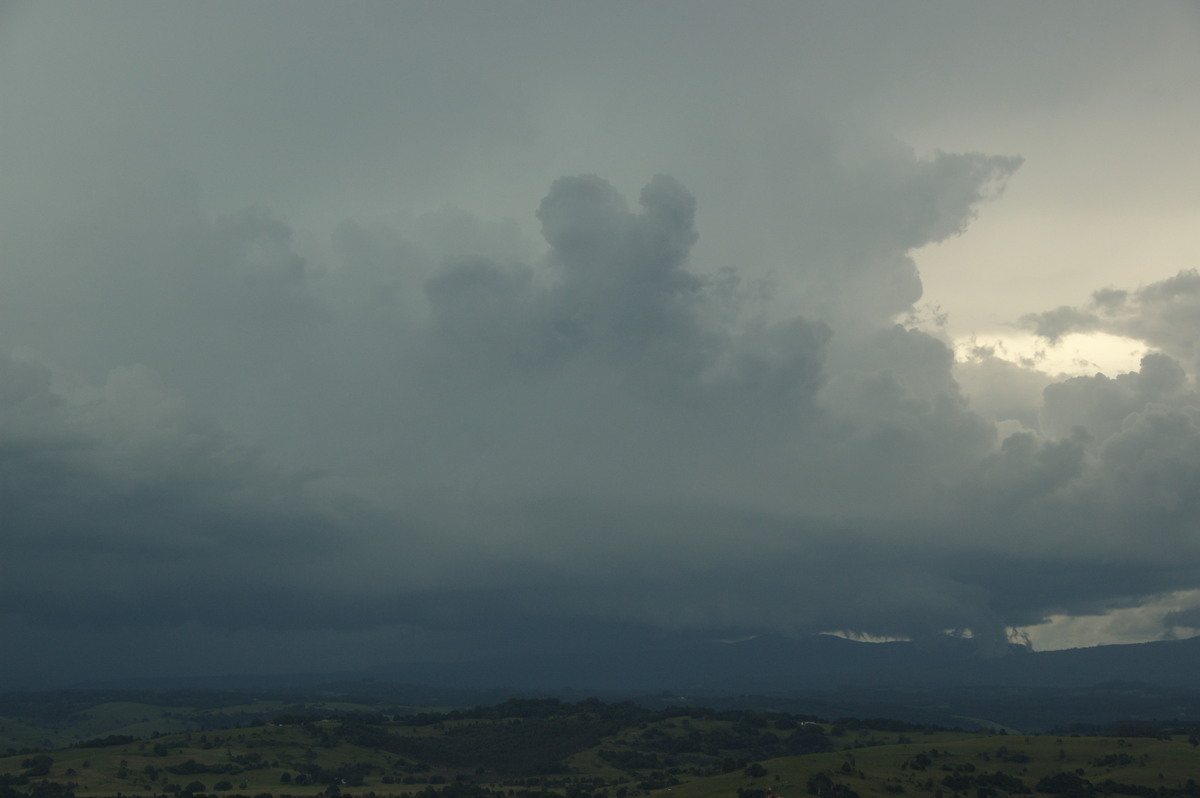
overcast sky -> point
(346, 333)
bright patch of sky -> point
(1075, 355)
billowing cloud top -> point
(409, 435)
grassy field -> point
(963, 767)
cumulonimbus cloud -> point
(603, 436)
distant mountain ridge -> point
(942, 683)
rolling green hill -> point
(533, 748)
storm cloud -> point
(360, 391)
